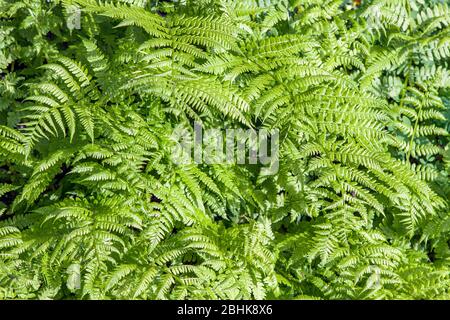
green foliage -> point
(93, 207)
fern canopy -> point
(92, 205)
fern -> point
(92, 205)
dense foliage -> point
(93, 207)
